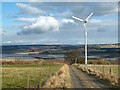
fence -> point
(31, 81)
(106, 69)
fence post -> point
(103, 69)
(40, 81)
(46, 74)
(28, 86)
(53, 70)
(50, 72)
(99, 69)
(94, 68)
(110, 70)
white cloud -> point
(43, 24)
(64, 14)
(81, 9)
(95, 21)
(19, 41)
(26, 9)
(26, 19)
(7, 42)
(4, 31)
(67, 21)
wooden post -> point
(110, 70)
(94, 68)
(99, 69)
(46, 74)
(40, 81)
(28, 86)
(103, 69)
(51, 71)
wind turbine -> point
(84, 21)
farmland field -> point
(27, 75)
(18, 72)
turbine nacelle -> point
(85, 21)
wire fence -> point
(32, 80)
(106, 69)
(108, 73)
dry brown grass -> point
(53, 61)
(31, 61)
(18, 61)
(61, 79)
(103, 62)
(113, 79)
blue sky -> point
(51, 23)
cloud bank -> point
(42, 24)
(26, 9)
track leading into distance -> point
(81, 79)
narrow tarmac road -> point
(81, 79)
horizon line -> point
(55, 44)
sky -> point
(25, 23)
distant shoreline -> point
(28, 53)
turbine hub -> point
(85, 21)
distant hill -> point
(60, 49)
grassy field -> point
(27, 75)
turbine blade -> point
(89, 16)
(77, 18)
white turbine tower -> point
(85, 21)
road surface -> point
(81, 79)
